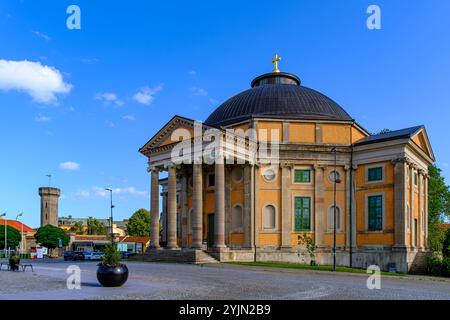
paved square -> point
(220, 281)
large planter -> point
(112, 276)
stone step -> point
(180, 255)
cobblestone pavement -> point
(224, 282)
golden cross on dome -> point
(275, 61)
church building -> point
(287, 162)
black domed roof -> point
(277, 95)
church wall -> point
(340, 202)
(336, 133)
(302, 132)
(269, 126)
(386, 187)
(357, 134)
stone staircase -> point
(179, 255)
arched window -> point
(330, 219)
(237, 218)
(269, 217)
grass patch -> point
(308, 267)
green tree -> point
(49, 236)
(95, 227)
(13, 236)
(78, 228)
(139, 223)
(438, 208)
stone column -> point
(286, 208)
(353, 206)
(228, 173)
(184, 210)
(219, 194)
(248, 226)
(164, 216)
(256, 210)
(154, 189)
(319, 204)
(172, 209)
(348, 204)
(400, 189)
(419, 221)
(197, 206)
(412, 231)
(425, 218)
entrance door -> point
(211, 228)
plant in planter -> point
(110, 272)
(14, 261)
(308, 242)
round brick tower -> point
(49, 205)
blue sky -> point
(185, 57)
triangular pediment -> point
(164, 135)
(420, 138)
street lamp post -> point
(111, 224)
(21, 233)
(6, 233)
(336, 180)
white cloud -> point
(41, 35)
(42, 118)
(109, 98)
(198, 91)
(128, 117)
(82, 194)
(146, 95)
(69, 165)
(102, 193)
(193, 73)
(110, 124)
(39, 81)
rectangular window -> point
(302, 176)
(375, 209)
(375, 174)
(302, 214)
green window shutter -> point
(375, 216)
(375, 174)
(302, 176)
(302, 214)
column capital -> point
(286, 164)
(347, 167)
(318, 166)
(171, 165)
(401, 160)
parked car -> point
(87, 255)
(73, 255)
(97, 255)
(68, 255)
(127, 254)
